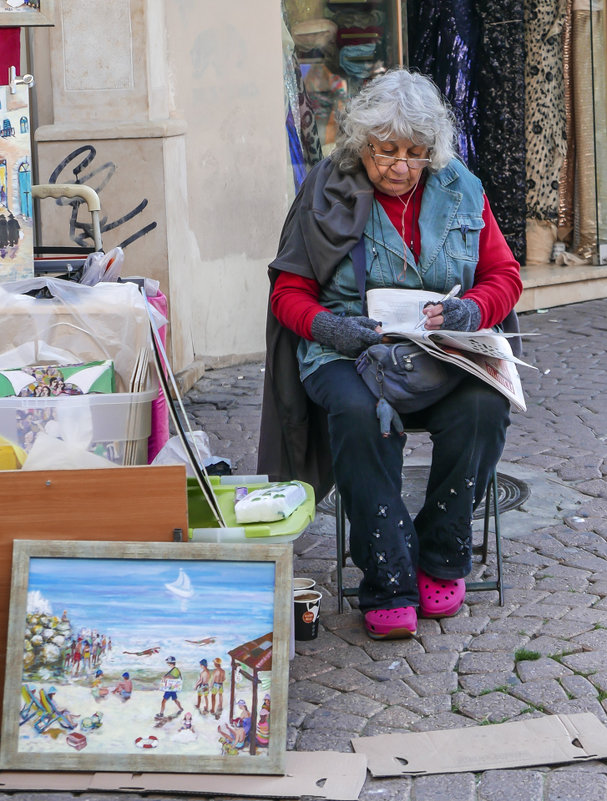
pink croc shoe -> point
(439, 597)
(391, 624)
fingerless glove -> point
(461, 315)
(348, 335)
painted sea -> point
(131, 616)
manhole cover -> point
(511, 492)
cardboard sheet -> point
(539, 741)
(325, 774)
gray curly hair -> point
(397, 105)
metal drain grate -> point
(511, 492)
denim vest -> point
(451, 221)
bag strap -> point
(359, 260)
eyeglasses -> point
(382, 160)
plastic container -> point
(115, 426)
(204, 528)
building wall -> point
(177, 119)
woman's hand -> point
(454, 314)
(348, 335)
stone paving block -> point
(546, 611)
(392, 649)
(326, 641)
(511, 785)
(444, 720)
(434, 662)
(579, 687)
(523, 626)
(330, 719)
(593, 640)
(552, 646)
(464, 625)
(569, 785)
(429, 705)
(427, 626)
(353, 635)
(354, 703)
(496, 707)
(577, 705)
(348, 657)
(386, 669)
(310, 691)
(493, 641)
(433, 683)
(324, 740)
(445, 642)
(343, 679)
(397, 789)
(532, 559)
(545, 668)
(388, 692)
(573, 598)
(479, 683)
(587, 561)
(445, 787)
(541, 694)
(586, 662)
(306, 667)
(479, 662)
(297, 711)
(567, 629)
(394, 717)
(586, 615)
(599, 679)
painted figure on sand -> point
(152, 690)
(16, 232)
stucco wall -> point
(187, 107)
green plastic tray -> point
(200, 516)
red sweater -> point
(497, 284)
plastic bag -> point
(78, 323)
(101, 266)
(269, 504)
(173, 451)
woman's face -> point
(398, 177)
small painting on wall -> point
(16, 228)
(147, 657)
(15, 13)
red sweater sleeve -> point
(497, 282)
(295, 302)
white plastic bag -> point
(102, 267)
(173, 451)
(269, 504)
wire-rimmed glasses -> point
(381, 160)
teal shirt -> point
(451, 219)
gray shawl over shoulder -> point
(324, 223)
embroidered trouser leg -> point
(468, 430)
(368, 474)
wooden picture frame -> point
(105, 643)
(34, 12)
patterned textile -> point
(443, 37)
(501, 120)
(567, 176)
(545, 123)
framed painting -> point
(147, 657)
(15, 13)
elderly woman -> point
(395, 181)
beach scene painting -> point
(25, 12)
(145, 656)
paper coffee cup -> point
(303, 583)
(307, 606)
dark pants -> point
(468, 431)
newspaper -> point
(485, 353)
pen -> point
(453, 291)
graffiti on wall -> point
(98, 177)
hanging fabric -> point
(501, 119)
(443, 40)
(567, 176)
(10, 52)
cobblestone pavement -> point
(543, 652)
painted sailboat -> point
(182, 586)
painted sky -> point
(124, 596)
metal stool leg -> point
(491, 499)
(340, 543)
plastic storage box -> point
(115, 426)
